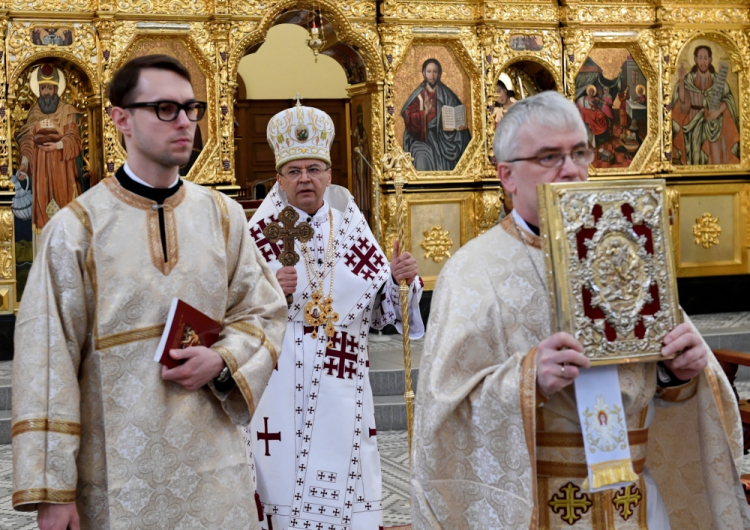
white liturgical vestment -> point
(313, 438)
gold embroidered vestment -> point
(491, 452)
(93, 421)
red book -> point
(186, 326)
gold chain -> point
(319, 310)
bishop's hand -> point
(287, 277)
(403, 265)
(558, 360)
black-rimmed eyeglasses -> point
(169, 110)
(581, 157)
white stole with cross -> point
(604, 429)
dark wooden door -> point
(254, 159)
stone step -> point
(733, 339)
(388, 397)
(391, 382)
(4, 427)
(5, 395)
(390, 413)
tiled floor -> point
(393, 453)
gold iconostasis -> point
(661, 86)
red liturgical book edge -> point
(186, 326)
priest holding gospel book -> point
(498, 439)
(104, 436)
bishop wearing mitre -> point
(104, 437)
(313, 436)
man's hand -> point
(558, 359)
(57, 517)
(694, 356)
(403, 266)
(287, 277)
(48, 146)
(201, 365)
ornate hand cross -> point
(287, 230)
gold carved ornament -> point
(706, 230)
(437, 244)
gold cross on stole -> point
(570, 504)
(287, 230)
(626, 499)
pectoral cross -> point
(288, 230)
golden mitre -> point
(299, 133)
(48, 75)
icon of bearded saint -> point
(50, 146)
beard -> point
(48, 104)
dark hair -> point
(710, 54)
(703, 47)
(511, 93)
(436, 63)
(121, 88)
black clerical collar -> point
(158, 195)
(533, 228)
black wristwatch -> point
(224, 375)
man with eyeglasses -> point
(497, 436)
(103, 436)
(313, 436)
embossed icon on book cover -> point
(610, 267)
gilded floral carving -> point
(706, 230)
(437, 244)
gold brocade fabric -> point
(93, 420)
(476, 461)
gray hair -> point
(549, 109)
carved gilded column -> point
(105, 28)
(486, 43)
(392, 38)
(576, 46)
(666, 60)
(5, 161)
(220, 30)
(7, 237)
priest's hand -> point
(694, 357)
(57, 517)
(558, 359)
(403, 266)
(201, 366)
(287, 277)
